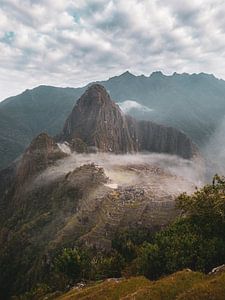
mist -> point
(168, 173)
(214, 152)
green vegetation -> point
(183, 285)
(211, 288)
(195, 240)
(109, 289)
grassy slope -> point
(181, 285)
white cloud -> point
(128, 105)
(69, 43)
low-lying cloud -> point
(214, 152)
(168, 173)
(129, 105)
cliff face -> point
(99, 122)
(158, 138)
(42, 152)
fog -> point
(128, 105)
(214, 152)
(168, 172)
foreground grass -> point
(183, 285)
(109, 289)
(213, 288)
(167, 288)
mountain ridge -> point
(194, 104)
(100, 123)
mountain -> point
(43, 109)
(194, 104)
(99, 123)
(45, 210)
(52, 198)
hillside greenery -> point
(195, 241)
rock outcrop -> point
(42, 153)
(158, 138)
(100, 123)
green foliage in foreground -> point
(196, 240)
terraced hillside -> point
(80, 199)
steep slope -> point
(24, 116)
(100, 123)
(193, 103)
(41, 153)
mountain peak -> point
(40, 143)
(96, 94)
(42, 152)
(127, 74)
(157, 74)
(99, 122)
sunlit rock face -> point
(100, 123)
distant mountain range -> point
(194, 104)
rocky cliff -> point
(100, 123)
(42, 153)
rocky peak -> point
(127, 74)
(43, 142)
(42, 152)
(157, 74)
(96, 94)
(99, 123)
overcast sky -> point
(70, 43)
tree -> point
(73, 263)
(196, 240)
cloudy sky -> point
(70, 43)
